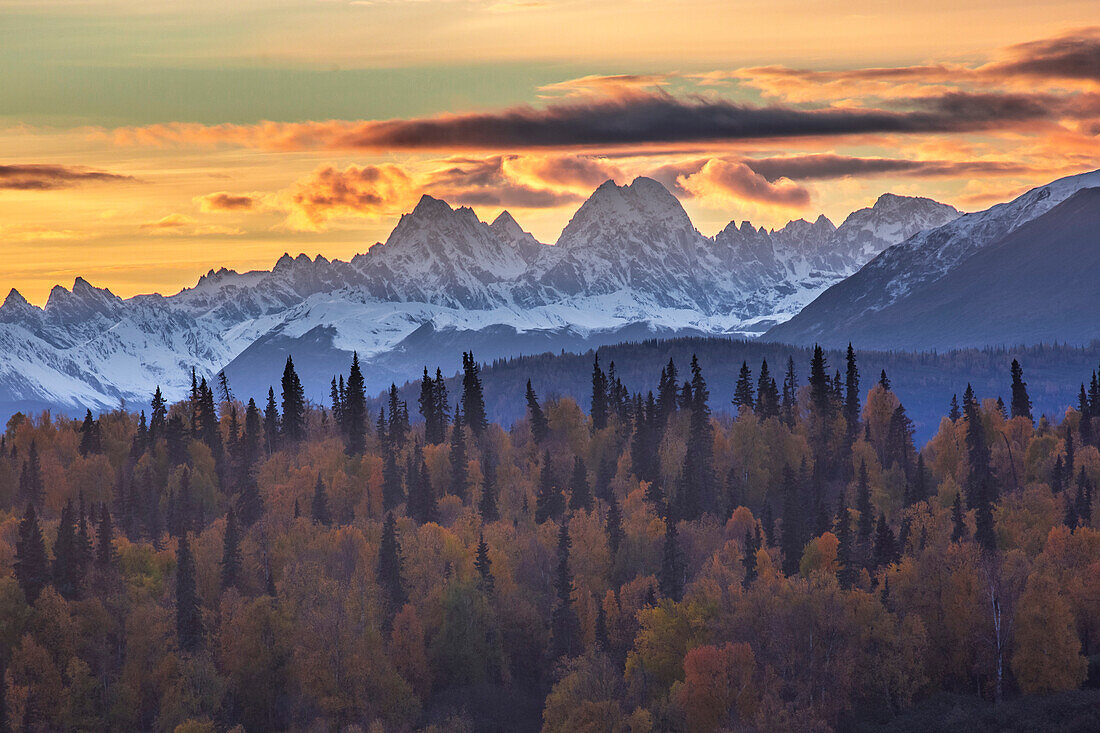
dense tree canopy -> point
(795, 564)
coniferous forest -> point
(641, 561)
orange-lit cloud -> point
(184, 226)
(39, 177)
(736, 181)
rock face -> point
(630, 264)
(847, 311)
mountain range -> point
(629, 265)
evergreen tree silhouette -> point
(318, 507)
(32, 565)
(188, 606)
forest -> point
(638, 560)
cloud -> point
(39, 177)
(224, 201)
(172, 221)
(635, 119)
(611, 85)
(490, 182)
(497, 181)
(1069, 61)
(829, 166)
(184, 226)
(734, 180)
(329, 193)
(1075, 55)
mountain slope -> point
(838, 315)
(1036, 285)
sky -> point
(145, 142)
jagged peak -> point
(430, 206)
(283, 262)
(505, 219)
(15, 298)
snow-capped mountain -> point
(838, 314)
(630, 264)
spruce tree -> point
(742, 391)
(954, 414)
(294, 406)
(983, 528)
(767, 523)
(549, 502)
(599, 412)
(959, 531)
(32, 565)
(188, 605)
(158, 417)
(427, 404)
(66, 563)
(697, 493)
(421, 501)
(883, 380)
(1058, 476)
(821, 392)
(851, 395)
(355, 408)
(460, 469)
(271, 423)
(141, 438)
(666, 394)
(30, 480)
(1083, 499)
(792, 539)
(918, 489)
(885, 550)
(671, 579)
(1085, 425)
(899, 440)
(487, 504)
(789, 407)
(564, 624)
(389, 567)
(580, 496)
(540, 428)
(613, 525)
(767, 394)
(484, 566)
(473, 400)
(1021, 403)
(105, 540)
(392, 491)
(89, 436)
(231, 552)
(442, 407)
(979, 481)
(318, 507)
(601, 638)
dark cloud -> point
(1072, 56)
(38, 177)
(827, 166)
(661, 118)
(224, 201)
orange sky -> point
(142, 144)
